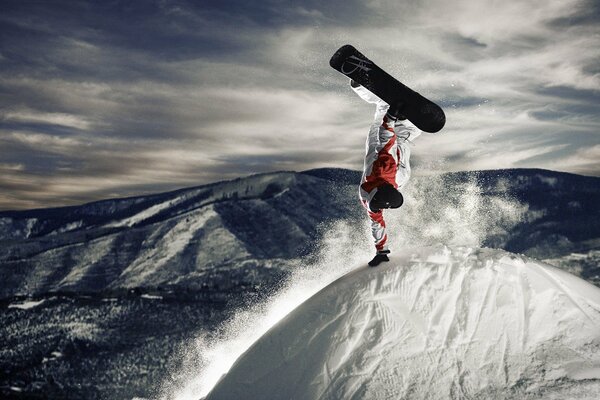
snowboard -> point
(425, 114)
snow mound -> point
(434, 323)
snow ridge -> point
(436, 323)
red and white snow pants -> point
(386, 161)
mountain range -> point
(251, 226)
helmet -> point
(386, 197)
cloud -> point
(61, 119)
(148, 96)
(583, 161)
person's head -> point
(386, 197)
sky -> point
(103, 99)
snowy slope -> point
(435, 323)
(218, 235)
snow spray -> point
(337, 254)
(435, 211)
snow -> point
(550, 181)
(151, 297)
(67, 228)
(457, 216)
(53, 356)
(435, 323)
(145, 214)
(168, 245)
(83, 330)
(88, 262)
(11, 228)
(282, 192)
(26, 305)
(248, 188)
(29, 226)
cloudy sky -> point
(101, 99)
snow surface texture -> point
(435, 323)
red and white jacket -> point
(387, 160)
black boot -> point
(380, 257)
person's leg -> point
(378, 230)
(379, 235)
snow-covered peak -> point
(434, 323)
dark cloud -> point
(587, 13)
(585, 97)
(102, 99)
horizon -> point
(136, 97)
(185, 188)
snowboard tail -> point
(425, 114)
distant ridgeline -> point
(241, 234)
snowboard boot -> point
(380, 257)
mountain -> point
(251, 231)
(252, 225)
(435, 323)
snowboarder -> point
(386, 168)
